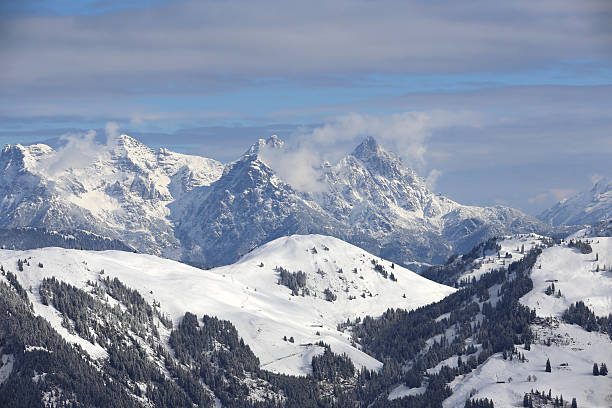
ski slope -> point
(247, 293)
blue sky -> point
(505, 103)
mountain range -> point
(304, 320)
(200, 211)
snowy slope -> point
(586, 207)
(576, 277)
(579, 350)
(515, 245)
(247, 292)
(572, 351)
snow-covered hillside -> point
(509, 249)
(572, 351)
(579, 277)
(341, 281)
(200, 211)
(585, 208)
(602, 228)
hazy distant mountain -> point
(587, 207)
(197, 210)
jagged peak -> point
(25, 157)
(271, 142)
(127, 141)
(129, 147)
(370, 150)
(367, 148)
(38, 148)
(378, 160)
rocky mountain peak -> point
(273, 142)
(200, 211)
(19, 157)
(368, 147)
(377, 160)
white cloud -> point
(299, 168)
(112, 134)
(299, 161)
(551, 196)
(80, 150)
(404, 133)
(432, 177)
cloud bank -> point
(186, 47)
(300, 161)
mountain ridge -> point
(203, 212)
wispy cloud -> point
(552, 195)
(404, 133)
(299, 161)
(79, 150)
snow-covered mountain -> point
(602, 228)
(393, 212)
(585, 208)
(197, 210)
(370, 199)
(311, 306)
(123, 194)
(340, 281)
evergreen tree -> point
(574, 403)
(548, 369)
(595, 369)
(603, 369)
